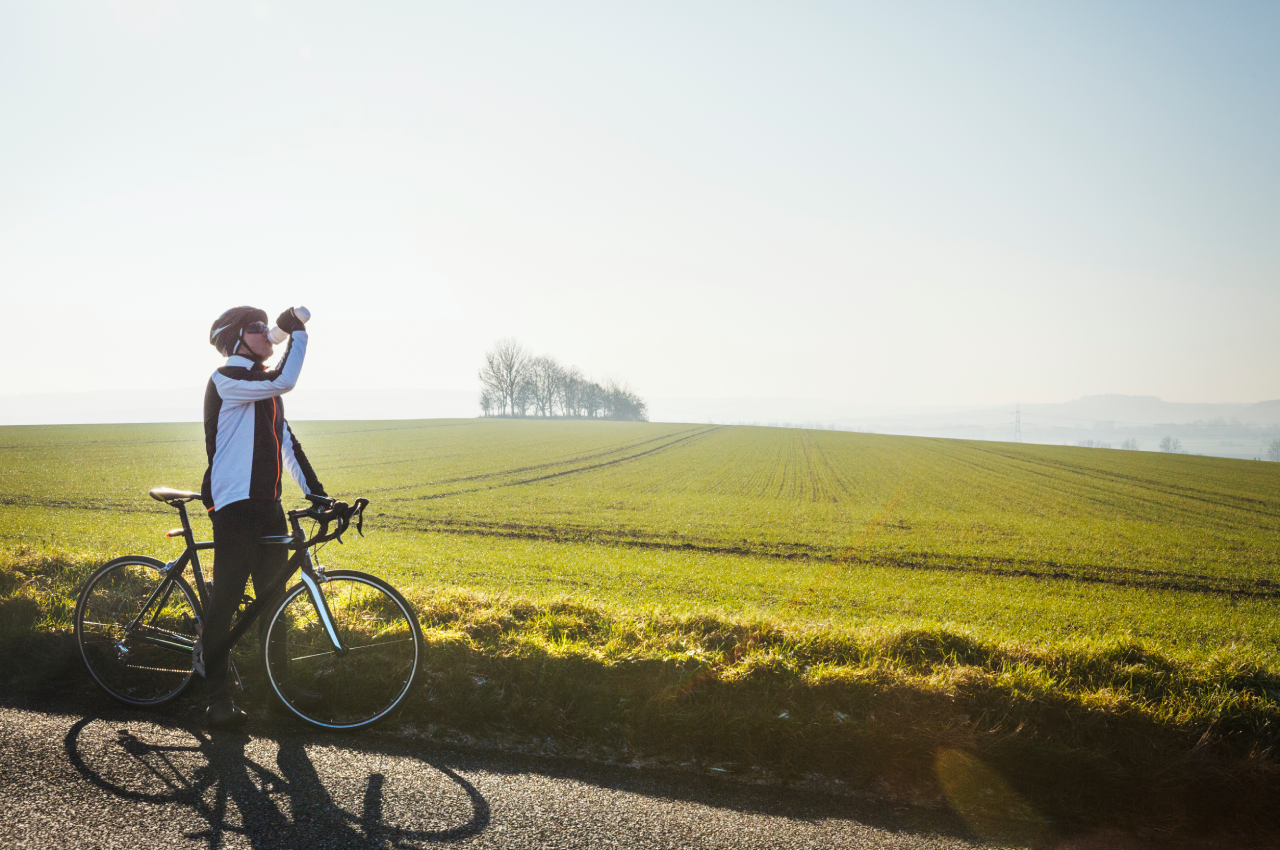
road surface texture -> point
(81, 772)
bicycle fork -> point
(322, 609)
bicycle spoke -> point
(352, 649)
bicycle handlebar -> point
(325, 511)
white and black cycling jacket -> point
(245, 433)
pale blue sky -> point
(950, 203)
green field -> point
(1098, 621)
(1003, 541)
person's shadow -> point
(222, 780)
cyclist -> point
(248, 442)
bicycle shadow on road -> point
(288, 790)
(173, 784)
(283, 785)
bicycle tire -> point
(130, 670)
(361, 687)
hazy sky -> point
(888, 203)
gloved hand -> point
(289, 322)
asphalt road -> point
(83, 773)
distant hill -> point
(1082, 412)
(1150, 410)
(1263, 413)
(1240, 430)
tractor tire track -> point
(1045, 570)
(575, 471)
(549, 464)
(1243, 503)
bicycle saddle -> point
(172, 496)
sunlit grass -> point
(800, 599)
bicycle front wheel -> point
(142, 663)
(373, 674)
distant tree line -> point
(516, 384)
(1171, 445)
(1129, 445)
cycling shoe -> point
(225, 714)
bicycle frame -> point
(311, 577)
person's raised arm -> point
(256, 386)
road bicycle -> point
(341, 649)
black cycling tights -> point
(237, 554)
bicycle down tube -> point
(301, 559)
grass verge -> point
(1102, 731)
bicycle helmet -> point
(227, 330)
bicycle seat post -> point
(186, 524)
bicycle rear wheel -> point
(151, 664)
(361, 685)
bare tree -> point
(545, 377)
(571, 384)
(1172, 445)
(1273, 450)
(523, 398)
(503, 373)
(592, 399)
(488, 402)
(1130, 445)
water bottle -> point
(278, 336)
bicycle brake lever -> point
(361, 504)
